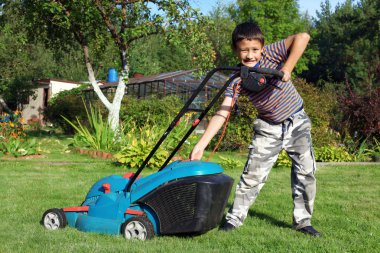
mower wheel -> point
(54, 219)
(138, 227)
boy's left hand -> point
(287, 75)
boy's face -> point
(249, 52)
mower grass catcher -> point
(183, 197)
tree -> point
(16, 58)
(24, 58)
(349, 44)
(159, 56)
(92, 23)
(220, 31)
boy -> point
(281, 124)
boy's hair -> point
(248, 30)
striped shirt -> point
(273, 104)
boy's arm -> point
(212, 129)
(295, 45)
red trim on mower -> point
(129, 175)
(76, 209)
(106, 187)
(135, 212)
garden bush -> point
(151, 111)
(137, 145)
(144, 122)
(361, 114)
(230, 163)
(98, 135)
(332, 154)
(320, 105)
(137, 142)
(70, 105)
(322, 154)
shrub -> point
(18, 147)
(283, 160)
(332, 154)
(322, 154)
(138, 142)
(320, 105)
(70, 105)
(98, 135)
(137, 145)
(367, 151)
(230, 163)
(361, 113)
(239, 131)
(151, 111)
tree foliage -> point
(24, 58)
(159, 56)
(349, 45)
(220, 30)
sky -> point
(311, 6)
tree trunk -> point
(93, 81)
(4, 105)
(114, 107)
(113, 117)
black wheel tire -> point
(138, 227)
(54, 219)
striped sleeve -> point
(230, 89)
(276, 52)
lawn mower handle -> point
(264, 71)
(237, 71)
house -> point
(46, 89)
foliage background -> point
(341, 65)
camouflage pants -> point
(293, 135)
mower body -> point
(183, 198)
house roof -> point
(49, 80)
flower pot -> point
(106, 155)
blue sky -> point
(305, 5)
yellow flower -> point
(11, 124)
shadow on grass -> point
(270, 219)
(47, 134)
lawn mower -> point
(183, 197)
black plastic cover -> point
(191, 205)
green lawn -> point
(347, 210)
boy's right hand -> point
(196, 154)
(287, 75)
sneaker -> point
(309, 230)
(227, 227)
